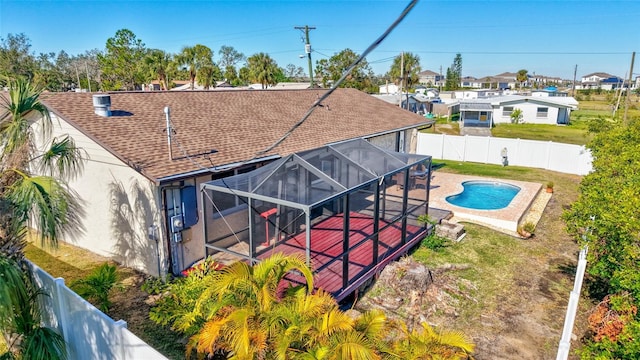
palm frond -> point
(45, 200)
(63, 159)
(24, 99)
(43, 343)
(12, 290)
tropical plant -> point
(98, 285)
(262, 69)
(193, 58)
(247, 312)
(42, 200)
(208, 75)
(405, 68)
(158, 64)
(426, 343)
(516, 116)
(522, 77)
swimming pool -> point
(484, 195)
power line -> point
(318, 102)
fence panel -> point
(472, 152)
(566, 158)
(88, 332)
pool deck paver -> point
(506, 219)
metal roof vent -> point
(102, 105)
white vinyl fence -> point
(88, 332)
(565, 158)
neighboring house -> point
(535, 110)
(430, 93)
(429, 77)
(594, 80)
(476, 94)
(550, 91)
(612, 83)
(187, 86)
(291, 86)
(389, 89)
(470, 82)
(506, 80)
(148, 153)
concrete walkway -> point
(475, 131)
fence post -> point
(121, 325)
(549, 155)
(486, 158)
(572, 308)
(464, 148)
(61, 306)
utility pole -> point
(402, 78)
(440, 81)
(88, 79)
(573, 88)
(628, 90)
(307, 49)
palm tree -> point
(208, 75)
(406, 68)
(158, 63)
(522, 77)
(426, 343)
(262, 69)
(244, 295)
(42, 200)
(193, 58)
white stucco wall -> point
(118, 205)
(529, 112)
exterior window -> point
(542, 112)
(507, 110)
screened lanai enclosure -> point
(347, 208)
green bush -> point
(96, 287)
(529, 227)
(435, 242)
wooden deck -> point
(328, 257)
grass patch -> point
(73, 263)
(574, 133)
(514, 286)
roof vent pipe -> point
(102, 105)
(167, 113)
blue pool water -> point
(484, 195)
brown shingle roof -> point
(236, 124)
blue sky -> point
(544, 37)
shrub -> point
(435, 242)
(96, 287)
(529, 227)
(550, 184)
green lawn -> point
(510, 285)
(574, 133)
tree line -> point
(126, 63)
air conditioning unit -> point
(177, 224)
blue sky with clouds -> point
(544, 37)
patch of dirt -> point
(522, 320)
(132, 305)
